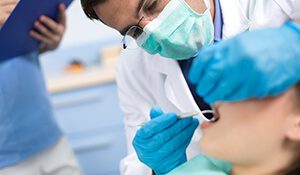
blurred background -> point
(80, 77)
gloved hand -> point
(253, 64)
(161, 143)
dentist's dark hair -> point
(88, 8)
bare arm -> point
(6, 7)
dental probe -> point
(189, 114)
(186, 115)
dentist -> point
(146, 80)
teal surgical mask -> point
(178, 32)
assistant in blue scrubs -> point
(31, 141)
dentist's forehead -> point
(118, 14)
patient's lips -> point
(216, 117)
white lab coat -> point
(146, 80)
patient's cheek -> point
(298, 21)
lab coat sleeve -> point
(135, 104)
(290, 7)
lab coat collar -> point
(175, 86)
(235, 20)
(162, 65)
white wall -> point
(82, 30)
(81, 40)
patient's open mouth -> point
(216, 115)
(213, 118)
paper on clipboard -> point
(14, 34)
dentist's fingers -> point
(182, 137)
(199, 64)
(156, 125)
(210, 77)
(160, 138)
(155, 112)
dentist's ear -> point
(294, 117)
(144, 22)
(294, 132)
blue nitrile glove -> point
(161, 143)
(253, 64)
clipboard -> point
(14, 34)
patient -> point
(259, 137)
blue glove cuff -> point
(182, 161)
(295, 27)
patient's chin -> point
(205, 146)
(210, 149)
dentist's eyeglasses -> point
(150, 9)
(131, 35)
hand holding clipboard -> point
(14, 34)
(50, 32)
